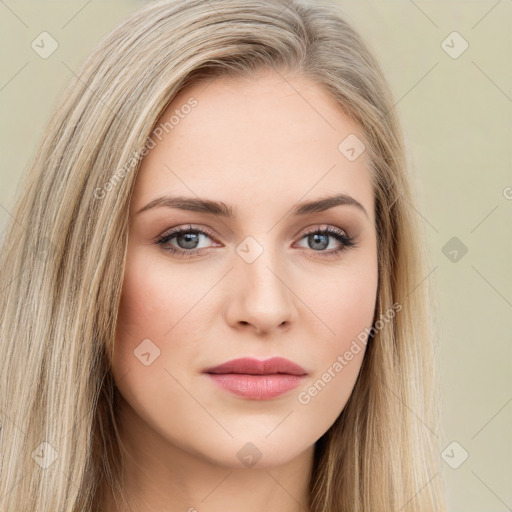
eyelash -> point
(347, 241)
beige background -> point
(457, 117)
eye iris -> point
(191, 240)
(314, 239)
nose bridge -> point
(263, 296)
(259, 262)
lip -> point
(251, 366)
(255, 379)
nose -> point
(261, 297)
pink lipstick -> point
(255, 379)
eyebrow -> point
(221, 209)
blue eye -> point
(319, 240)
(188, 240)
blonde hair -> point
(63, 259)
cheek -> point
(350, 306)
(344, 300)
(153, 298)
(145, 312)
(346, 307)
(158, 304)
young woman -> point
(213, 291)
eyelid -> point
(185, 228)
(322, 227)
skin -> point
(259, 145)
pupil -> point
(315, 239)
(190, 242)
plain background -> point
(457, 119)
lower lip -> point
(256, 387)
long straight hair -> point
(62, 261)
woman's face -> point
(257, 283)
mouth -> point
(251, 366)
(257, 380)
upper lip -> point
(251, 366)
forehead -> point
(254, 141)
